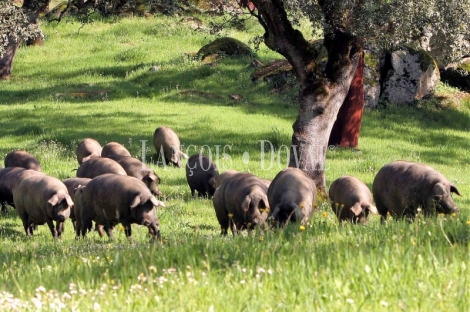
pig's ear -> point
(454, 189)
(185, 156)
(53, 200)
(75, 189)
(156, 202)
(246, 203)
(276, 211)
(152, 177)
(135, 202)
(174, 157)
(78, 189)
(373, 209)
(145, 171)
(216, 180)
(439, 189)
(86, 158)
(69, 201)
(148, 175)
(212, 182)
(264, 203)
(356, 209)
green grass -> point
(96, 83)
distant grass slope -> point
(95, 82)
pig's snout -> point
(154, 229)
(156, 192)
(252, 224)
(60, 218)
(255, 222)
(62, 215)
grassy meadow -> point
(94, 81)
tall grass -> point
(96, 83)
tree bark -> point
(321, 94)
(6, 62)
(247, 4)
(32, 9)
(345, 132)
(31, 5)
(319, 108)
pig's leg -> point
(50, 224)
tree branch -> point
(281, 37)
(343, 49)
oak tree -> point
(16, 25)
(347, 25)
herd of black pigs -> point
(113, 187)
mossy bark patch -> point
(371, 60)
(465, 65)
(425, 59)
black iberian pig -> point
(351, 199)
(114, 148)
(292, 196)
(42, 199)
(167, 145)
(94, 167)
(22, 159)
(401, 187)
(9, 178)
(110, 199)
(240, 202)
(201, 174)
(72, 184)
(137, 169)
(86, 149)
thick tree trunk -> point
(345, 132)
(32, 9)
(321, 94)
(6, 62)
(320, 101)
(310, 139)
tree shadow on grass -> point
(205, 227)
(130, 81)
(229, 76)
(69, 129)
(434, 132)
(12, 233)
(11, 225)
